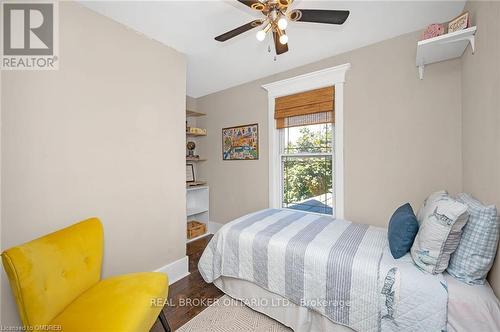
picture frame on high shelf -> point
(190, 173)
(460, 22)
(240, 142)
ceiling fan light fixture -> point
(282, 23)
(277, 15)
(261, 35)
(283, 39)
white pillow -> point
(441, 219)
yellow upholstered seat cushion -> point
(124, 303)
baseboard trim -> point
(213, 227)
(176, 270)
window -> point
(305, 126)
(290, 107)
(306, 155)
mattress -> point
(470, 308)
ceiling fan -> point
(276, 20)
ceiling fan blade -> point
(254, 4)
(319, 16)
(280, 48)
(238, 30)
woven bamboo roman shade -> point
(305, 108)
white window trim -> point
(319, 79)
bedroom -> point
(104, 135)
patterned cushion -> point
(474, 256)
(441, 220)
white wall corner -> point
(176, 270)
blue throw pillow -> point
(403, 228)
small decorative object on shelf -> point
(196, 131)
(191, 146)
(461, 22)
(195, 228)
(190, 173)
(433, 30)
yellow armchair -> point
(56, 282)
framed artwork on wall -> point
(240, 143)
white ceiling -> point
(190, 27)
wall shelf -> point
(198, 237)
(198, 192)
(194, 135)
(196, 210)
(195, 159)
(445, 47)
(194, 114)
(197, 188)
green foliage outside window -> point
(306, 177)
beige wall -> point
(402, 134)
(481, 112)
(236, 187)
(99, 137)
(191, 103)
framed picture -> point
(190, 173)
(459, 23)
(240, 143)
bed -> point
(327, 274)
(470, 308)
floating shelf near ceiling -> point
(445, 47)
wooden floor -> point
(190, 295)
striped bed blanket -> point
(338, 268)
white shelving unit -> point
(197, 203)
(197, 206)
(197, 197)
(449, 46)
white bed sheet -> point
(470, 308)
